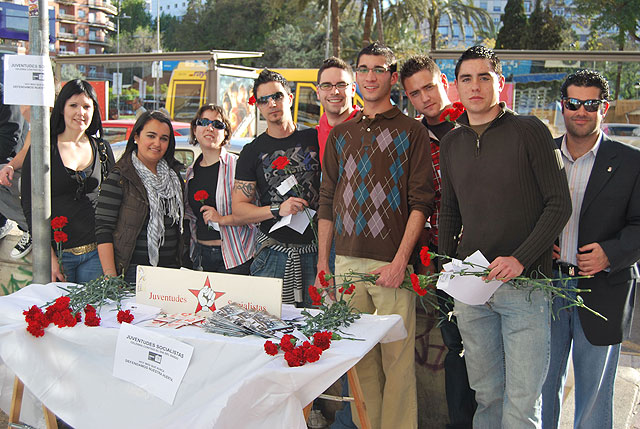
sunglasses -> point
(326, 86)
(204, 122)
(276, 96)
(589, 105)
(376, 70)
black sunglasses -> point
(204, 122)
(589, 105)
(265, 98)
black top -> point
(255, 165)
(439, 129)
(204, 179)
(72, 195)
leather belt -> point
(82, 250)
(567, 269)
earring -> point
(135, 142)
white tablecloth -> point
(230, 382)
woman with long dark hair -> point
(80, 161)
(140, 209)
(216, 243)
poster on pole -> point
(28, 80)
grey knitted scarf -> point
(165, 198)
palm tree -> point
(458, 13)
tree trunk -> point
(368, 20)
(335, 28)
(619, 74)
(433, 29)
(378, 6)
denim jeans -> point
(271, 263)
(506, 344)
(209, 259)
(595, 370)
(81, 268)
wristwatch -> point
(275, 210)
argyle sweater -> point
(376, 170)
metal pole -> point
(117, 64)
(156, 85)
(40, 158)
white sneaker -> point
(23, 247)
(6, 229)
(317, 420)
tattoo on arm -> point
(247, 188)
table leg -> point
(307, 410)
(358, 397)
(49, 418)
(16, 401)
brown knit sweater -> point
(507, 187)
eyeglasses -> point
(276, 96)
(376, 70)
(326, 86)
(589, 105)
(204, 122)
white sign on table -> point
(28, 80)
(188, 291)
(154, 362)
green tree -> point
(139, 16)
(514, 26)
(622, 16)
(458, 14)
(544, 30)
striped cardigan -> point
(238, 242)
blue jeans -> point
(81, 268)
(595, 370)
(209, 258)
(506, 345)
(271, 263)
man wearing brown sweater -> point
(503, 179)
(376, 192)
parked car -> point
(186, 153)
(626, 133)
(120, 129)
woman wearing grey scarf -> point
(140, 209)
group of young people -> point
(383, 185)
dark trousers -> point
(460, 397)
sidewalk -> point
(626, 401)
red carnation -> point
(33, 315)
(91, 319)
(322, 339)
(415, 282)
(316, 298)
(312, 353)
(125, 316)
(252, 100)
(35, 329)
(287, 343)
(89, 309)
(349, 291)
(295, 357)
(322, 276)
(59, 222)
(60, 237)
(453, 113)
(270, 348)
(425, 256)
(280, 163)
(200, 196)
